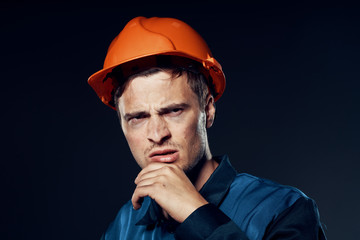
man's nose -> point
(158, 131)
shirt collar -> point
(214, 191)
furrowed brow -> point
(135, 114)
(173, 106)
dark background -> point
(290, 112)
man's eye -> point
(175, 111)
(136, 119)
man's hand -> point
(169, 186)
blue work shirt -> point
(240, 206)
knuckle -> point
(167, 169)
(159, 186)
(162, 178)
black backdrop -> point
(290, 111)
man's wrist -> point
(195, 205)
(202, 222)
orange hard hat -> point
(145, 37)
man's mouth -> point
(166, 155)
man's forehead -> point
(160, 89)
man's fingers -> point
(146, 175)
(152, 167)
(139, 194)
(137, 199)
(153, 170)
(145, 181)
(150, 180)
(169, 186)
(137, 202)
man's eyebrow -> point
(162, 110)
(130, 115)
(173, 106)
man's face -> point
(162, 121)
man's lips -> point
(165, 155)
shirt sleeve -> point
(300, 221)
(210, 223)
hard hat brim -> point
(105, 89)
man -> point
(160, 77)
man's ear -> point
(210, 111)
